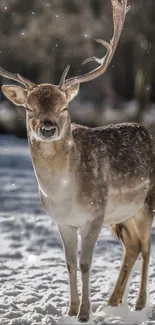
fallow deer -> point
(88, 177)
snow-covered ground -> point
(33, 276)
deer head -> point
(47, 104)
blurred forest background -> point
(39, 38)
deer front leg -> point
(89, 235)
(69, 239)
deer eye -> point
(64, 109)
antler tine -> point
(120, 10)
(63, 78)
(17, 77)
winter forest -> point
(38, 39)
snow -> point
(33, 276)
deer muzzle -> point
(49, 129)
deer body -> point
(93, 177)
(82, 180)
(90, 177)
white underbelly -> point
(69, 216)
(125, 203)
(116, 213)
(122, 204)
(77, 217)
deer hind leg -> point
(144, 221)
(69, 239)
(127, 233)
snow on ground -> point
(33, 276)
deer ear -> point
(72, 91)
(15, 94)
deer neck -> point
(52, 158)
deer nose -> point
(48, 129)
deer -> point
(90, 177)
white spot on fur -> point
(70, 142)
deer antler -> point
(119, 12)
(17, 77)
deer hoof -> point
(83, 319)
(114, 301)
(141, 302)
(73, 310)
